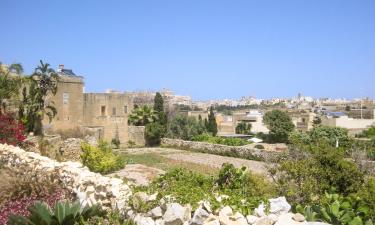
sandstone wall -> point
(246, 152)
(90, 188)
(137, 134)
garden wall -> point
(90, 188)
(247, 152)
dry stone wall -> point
(246, 152)
(90, 188)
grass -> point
(159, 161)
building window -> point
(126, 109)
(65, 98)
(103, 110)
(114, 111)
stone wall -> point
(137, 135)
(90, 188)
(247, 152)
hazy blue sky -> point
(203, 48)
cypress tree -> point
(212, 126)
(159, 108)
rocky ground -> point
(138, 174)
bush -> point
(154, 132)
(220, 140)
(101, 159)
(12, 132)
(185, 127)
(305, 176)
(244, 190)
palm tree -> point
(10, 83)
(142, 116)
(42, 83)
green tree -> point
(34, 107)
(280, 125)
(184, 127)
(142, 116)
(211, 124)
(243, 128)
(10, 83)
(153, 133)
(159, 109)
(331, 135)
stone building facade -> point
(105, 114)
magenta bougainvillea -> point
(12, 131)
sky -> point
(208, 49)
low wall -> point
(245, 152)
(90, 188)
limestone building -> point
(105, 114)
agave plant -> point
(64, 213)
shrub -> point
(220, 140)
(244, 190)
(154, 132)
(101, 159)
(185, 127)
(305, 176)
(12, 132)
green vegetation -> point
(10, 83)
(64, 213)
(185, 127)
(243, 128)
(153, 133)
(141, 116)
(101, 159)
(244, 190)
(211, 125)
(280, 125)
(369, 133)
(220, 140)
(34, 107)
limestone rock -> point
(316, 223)
(156, 212)
(298, 217)
(176, 214)
(200, 215)
(211, 220)
(259, 211)
(279, 206)
(252, 219)
(140, 220)
(287, 219)
(264, 221)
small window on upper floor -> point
(102, 111)
(65, 98)
(114, 111)
(125, 109)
